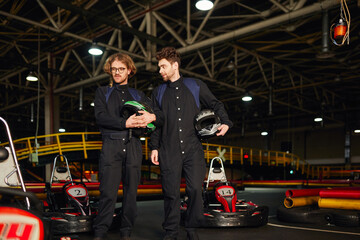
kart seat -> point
(61, 174)
(217, 174)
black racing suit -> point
(120, 159)
(181, 150)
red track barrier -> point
(303, 192)
(340, 193)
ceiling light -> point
(32, 77)
(264, 133)
(230, 65)
(204, 5)
(92, 104)
(318, 119)
(246, 98)
(62, 130)
(337, 78)
(357, 131)
(150, 87)
(95, 50)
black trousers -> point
(193, 167)
(119, 160)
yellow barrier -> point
(300, 201)
(339, 203)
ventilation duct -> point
(325, 32)
(270, 99)
(325, 51)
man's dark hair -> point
(170, 54)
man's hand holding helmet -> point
(222, 130)
(138, 115)
(133, 122)
(145, 118)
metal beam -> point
(257, 27)
(68, 34)
(109, 22)
(169, 29)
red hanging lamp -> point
(339, 32)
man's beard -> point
(168, 76)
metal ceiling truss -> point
(260, 49)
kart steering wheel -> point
(227, 183)
(66, 185)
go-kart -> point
(68, 210)
(64, 212)
(221, 206)
(71, 210)
(18, 221)
(20, 211)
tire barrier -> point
(339, 206)
(319, 216)
(345, 218)
(306, 214)
(300, 201)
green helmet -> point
(132, 107)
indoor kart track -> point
(150, 216)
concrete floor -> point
(148, 224)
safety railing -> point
(253, 156)
(60, 143)
(57, 143)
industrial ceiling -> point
(278, 51)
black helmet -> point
(207, 123)
(132, 107)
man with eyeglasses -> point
(121, 154)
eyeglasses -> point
(120, 69)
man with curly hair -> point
(176, 146)
(121, 155)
